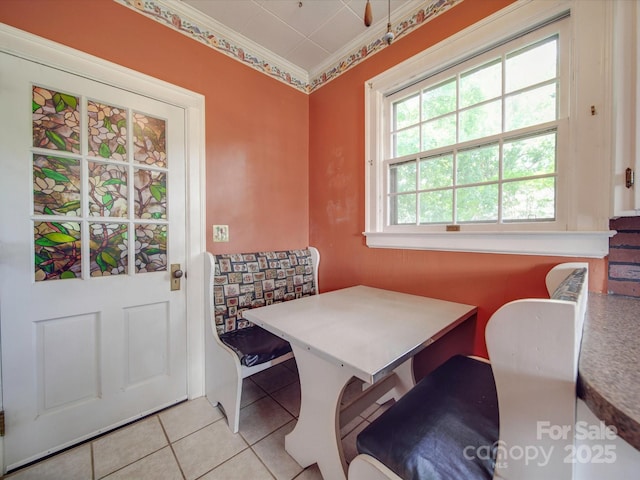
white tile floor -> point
(192, 440)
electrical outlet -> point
(221, 233)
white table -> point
(362, 332)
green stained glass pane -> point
(151, 248)
(55, 120)
(108, 248)
(149, 140)
(57, 252)
(150, 194)
(56, 185)
(107, 190)
(107, 131)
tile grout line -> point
(260, 460)
(173, 452)
(141, 458)
(92, 461)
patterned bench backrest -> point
(571, 287)
(249, 280)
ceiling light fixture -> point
(389, 36)
(368, 16)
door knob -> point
(176, 274)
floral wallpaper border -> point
(160, 12)
(419, 18)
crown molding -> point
(188, 21)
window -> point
(475, 136)
(478, 146)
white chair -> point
(243, 281)
(533, 345)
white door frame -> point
(31, 47)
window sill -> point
(565, 244)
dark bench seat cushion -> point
(425, 434)
(255, 345)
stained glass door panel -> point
(105, 192)
(56, 185)
(108, 193)
(108, 132)
(109, 247)
(56, 120)
(57, 250)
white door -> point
(92, 215)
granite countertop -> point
(609, 366)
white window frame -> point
(581, 225)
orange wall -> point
(256, 127)
(337, 207)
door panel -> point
(92, 207)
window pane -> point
(403, 209)
(480, 84)
(530, 156)
(57, 250)
(107, 190)
(406, 112)
(436, 207)
(406, 142)
(439, 100)
(55, 120)
(439, 133)
(108, 249)
(56, 185)
(477, 204)
(529, 199)
(531, 107)
(481, 121)
(478, 165)
(107, 131)
(402, 177)
(151, 255)
(436, 172)
(150, 194)
(531, 65)
(149, 140)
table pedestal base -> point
(316, 436)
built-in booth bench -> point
(473, 419)
(235, 348)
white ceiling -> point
(309, 34)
